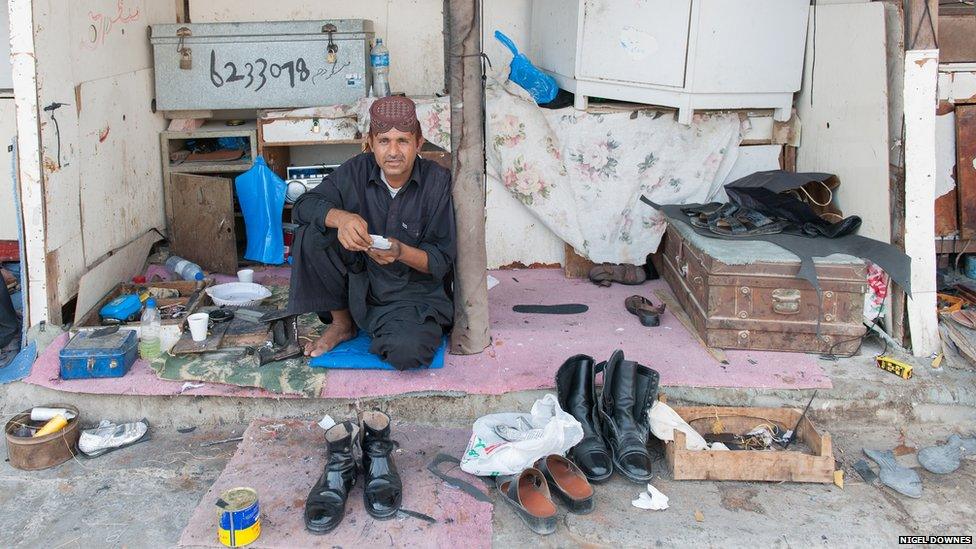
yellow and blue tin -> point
(239, 520)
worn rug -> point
(282, 460)
(290, 376)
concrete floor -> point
(142, 497)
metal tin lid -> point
(261, 31)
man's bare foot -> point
(335, 334)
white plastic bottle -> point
(149, 327)
(185, 269)
(379, 60)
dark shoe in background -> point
(629, 389)
(528, 494)
(568, 482)
(641, 307)
(382, 489)
(607, 274)
(326, 503)
(576, 392)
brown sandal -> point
(647, 312)
(606, 274)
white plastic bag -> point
(664, 420)
(546, 430)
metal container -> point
(89, 355)
(32, 454)
(239, 517)
(762, 304)
(276, 64)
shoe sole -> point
(318, 532)
(619, 469)
(575, 506)
(544, 526)
(383, 517)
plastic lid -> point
(198, 276)
(151, 303)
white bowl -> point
(241, 294)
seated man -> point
(398, 296)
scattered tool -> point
(284, 338)
(792, 434)
(896, 367)
(125, 308)
(56, 423)
(224, 441)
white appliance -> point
(687, 54)
(302, 179)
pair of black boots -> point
(615, 422)
(383, 491)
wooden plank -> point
(575, 265)
(186, 345)
(188, 293)
(843, 106)
(675, 308)
(121, 266)
(965, 169)
(946, 222)
(921, 24)
(921, 75)
(751, 465)
(471, 329)
(203, 222)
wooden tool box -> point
(762, 304)
(815, 464)
(192, 296)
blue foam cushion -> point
(20, 366)
(354, 355)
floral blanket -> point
(582, 173)
(434, 114)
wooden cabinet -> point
(199, 197)
(687, 54)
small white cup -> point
(245, 275)
(199, 322)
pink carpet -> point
(527, 349)
(282, 460)
(140, 380)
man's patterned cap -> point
(391, 112)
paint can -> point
(239, 517)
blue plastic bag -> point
(262, 196)
(540, 85)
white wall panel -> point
(844, 108)
(94, 57)
(8, 130)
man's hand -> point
(385, 257)
(353, 231)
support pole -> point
(470, 333)
(913, 221)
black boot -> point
(326, 503)
(576, 391)
(629, 389)
(382, 490)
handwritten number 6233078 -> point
(257, 72)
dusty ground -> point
(142, 496)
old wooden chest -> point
(745, 294)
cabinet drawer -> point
(303, 130)
(643, 42)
